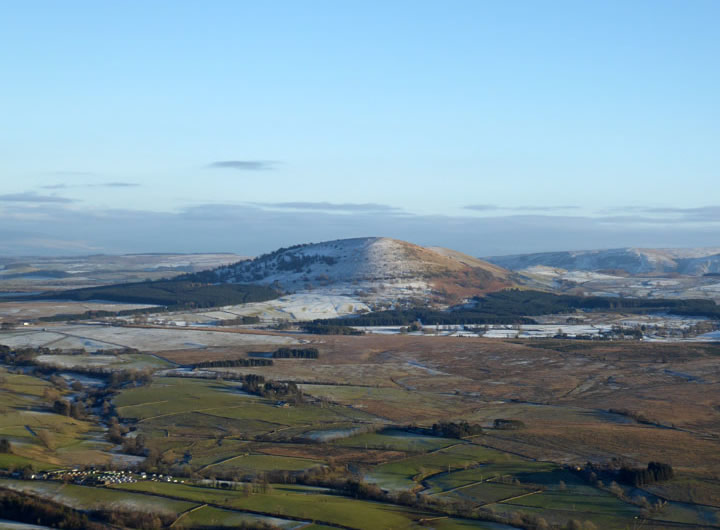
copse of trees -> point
(256, 384)
(5, 446)
(264, 265)
(239, 321)
(232, 363)
(298, 263)
(20, 356)
(296, 353)
(655, 472)
(456, 430)
(74, 409)
(331, 328)
(508, 425)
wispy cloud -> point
(73, 173)
(244, 165)
(495, 207)
(98, 185)
(31, 197)
(329, 206)
(544, 208)
(665, 214)
(118, 185)
(482, 207)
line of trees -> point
(296, 353)
(233, 363)
(508, 425)
(239, 321)
(637, 476)
(331, 328)
(74, 409)
(449, 429)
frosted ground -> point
(496, 331)
(100, 337)
(116, 362)
(591, 324)
(295, 308)
(378, 271)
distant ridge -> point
(693, 262)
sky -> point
(491, 127)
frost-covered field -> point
(496, 332)
(571, 325)
(119, 362)
(98, 337)
(295, 307)
(543, 331)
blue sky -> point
(493, 127)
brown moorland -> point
(579, 400)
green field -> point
(295, 501)
(261, 463)
(246, 459)
(211, 516)
(213, 421)
(40, 437)
(407, 473)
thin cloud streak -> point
(495, 207)
(663, 214)
(482, 207)
(243, 165)
(100, 185)
(329, 206)
(73, 173)
(31, 197)
(118, 185)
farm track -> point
(186, 512)
(427, 486)
(142, 404)
(186, 412)
(515, 497)
(73, 336)
(222, 461)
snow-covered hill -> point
(696, 262)
(380, 271)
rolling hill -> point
(376, 269)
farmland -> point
(347, 439)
